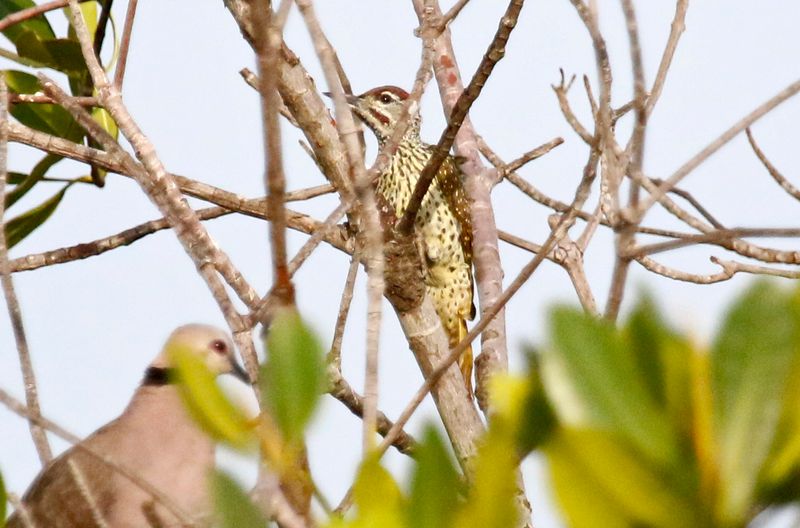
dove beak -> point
(239, 372)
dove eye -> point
(218, 345)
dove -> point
(154, 439)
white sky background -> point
(94, 325)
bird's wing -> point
(452, 188)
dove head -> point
(210, 344)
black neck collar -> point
(158, 376)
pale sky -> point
(94, 325)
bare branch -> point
(493, 55)
(669, 51)
(785, 184)
(124, 44)
(12, 303)
(715, 145)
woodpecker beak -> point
(352, 100)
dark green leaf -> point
(751, 361)
(48, 118)
(293, 378)
(234, 508)
(15, 178)
(663, 358)
(39, 171)
(435, 484)
(540, 420)
(38, 24)
(23, 225)
(597, 366)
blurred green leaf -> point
(234, 508)
(377, 496)
(23, 225)
(206, 402)
(751, 360)
(38, 24)
(597, 367)
(491, 498)
(540, 419)
(39, 171)
(48, 118)
(435, 484)
(293, 378)
(600, 481)
(663, 357)
(3, 501)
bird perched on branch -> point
(443, 220)
(154, 439)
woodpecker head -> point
(381, 108)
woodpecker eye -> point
(220, 346)
(385, 98)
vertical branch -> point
(14, 311)
(626, 236)
(124, 45)
(373, 236)
(268, 41)
(676, 30)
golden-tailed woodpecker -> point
(443, 220)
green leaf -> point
(206, 402)
(751, 360)
(234, 508)
(293, 378)
(39, 171)
(38, 24)
(599, 481)
(23, 225)
(377, 496)
(48, 118)
(434, 485)
(63, 55)
(594, 381)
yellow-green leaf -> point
(600, 481)
(206, 402)
(377, 497)
(23, 225)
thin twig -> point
(669, 51)
(529, 156)
(268, 40)
(124, 44)
(12, 303)
(785, 184)
(335, 353)
(86, 493)
(31, 12)
(715, 145)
